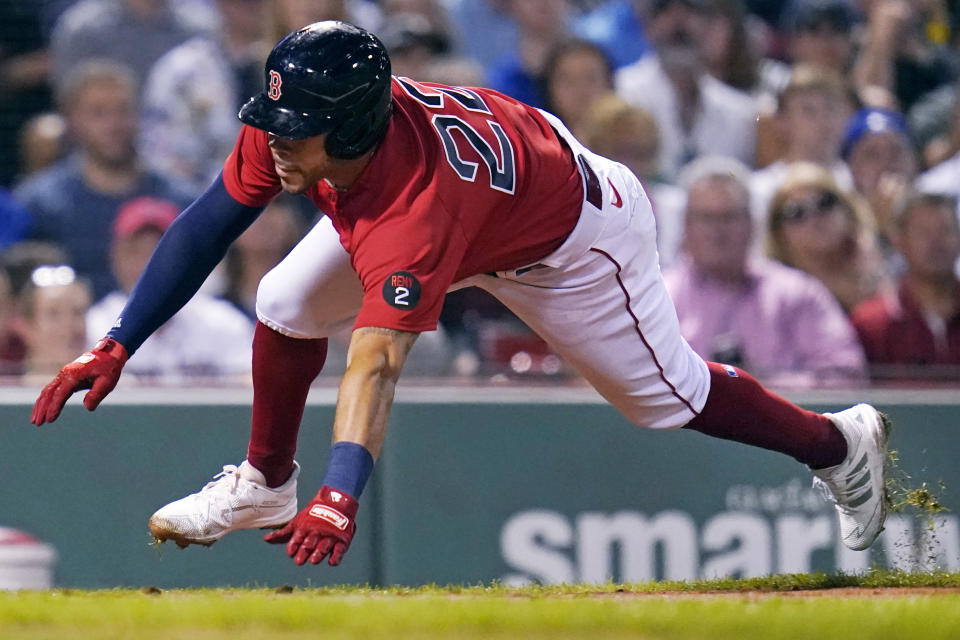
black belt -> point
(593, 195)
(592, 192)
(591, 183)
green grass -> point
(718, 609)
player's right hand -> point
(97, 370)
(325, 526)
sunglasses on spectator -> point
(799, 211)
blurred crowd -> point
(802, 158)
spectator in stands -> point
(616, 26)
(816, 226)
(74, 202)
(483, 29)
(898, 56)
(259, 249)
(193, 93)
(881, 157)
(12, 348)
(414, 45)
(17, 265)
(208, 338)
(817, 33)
(52, 308)
(519, 72)
(14, 220)
(24, 78)
(20, 260)
(747, 310)
(811, 113)
(914, 332)
(821, 33)
(933, 122)
(43, 141)
(730, 54)
(943, 176)
(132, 32)
(696, 114)
(628, 134)
(577, 73)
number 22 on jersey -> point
(500, 162)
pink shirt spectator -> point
(783, 325)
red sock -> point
(740, 409)
(283, 369)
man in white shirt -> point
(208, 338)
(696, 113)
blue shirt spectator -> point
(14, 220)
(615, 26)
(73, 203)
(484, 29)
(67, 211)
(518, 72)
(508, 75)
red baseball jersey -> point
(466, 181)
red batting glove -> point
(324, 526)
(97, 370)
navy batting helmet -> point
(329, 77)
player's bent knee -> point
(665, 410)
(282, 309)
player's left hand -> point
(325, 526)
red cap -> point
(144, 212)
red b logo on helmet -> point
(275, 82)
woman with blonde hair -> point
(816, 226)
(620, 131)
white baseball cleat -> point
(857, 486)
(237, 498)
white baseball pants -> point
(599, 301)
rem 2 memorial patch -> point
(401, 290)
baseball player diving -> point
(428, 188)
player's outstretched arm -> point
(187, 253)
(326, 525)
(374, 361)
